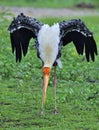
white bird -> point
(49, 41)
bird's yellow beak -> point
(46, 75)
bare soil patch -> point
(49, 12)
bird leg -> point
(55, 109)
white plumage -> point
(48, 38)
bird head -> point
(46, 76)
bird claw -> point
(55, 112)
(42, 112)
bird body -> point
(49, 41)
(48, 45)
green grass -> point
(21, 87)
(46, 3)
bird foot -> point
(55, 112)
(42, 112)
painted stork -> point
(49, 41)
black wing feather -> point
(22, 29)
(78, 42)
(20, 41)
(76, 31)
(25, 36)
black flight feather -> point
(76, 31)
(22, 29)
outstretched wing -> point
(77, 32)
(22, 29)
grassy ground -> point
(46, 3)
(21, 88)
